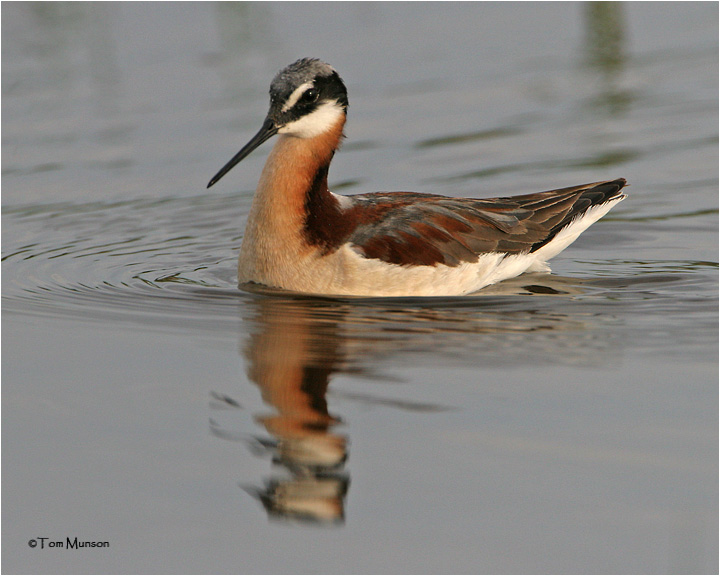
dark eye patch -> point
(309, 96)
(331, 88)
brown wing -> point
(418, 229)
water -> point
(563, 423)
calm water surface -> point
(553, 423)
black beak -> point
(267, 131)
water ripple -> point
(171, 264)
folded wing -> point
(417, 229)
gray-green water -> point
(563, 423)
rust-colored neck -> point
(293, 181)
(295, 169)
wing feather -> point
(421, 229)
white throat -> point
(322, 119)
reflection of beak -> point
(267, 131)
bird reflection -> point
(296, 344)
(291, 359)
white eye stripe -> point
(295, 96)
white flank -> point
(569, 234)
(322, 119)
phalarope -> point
(302, 237)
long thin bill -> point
(267, 131)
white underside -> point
(346, 272)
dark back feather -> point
(421, 229)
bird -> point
(302, 237)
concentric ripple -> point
(134, 259)
(172, 262)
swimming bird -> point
(300, 236)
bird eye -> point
(310, 95)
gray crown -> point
(296, 74)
